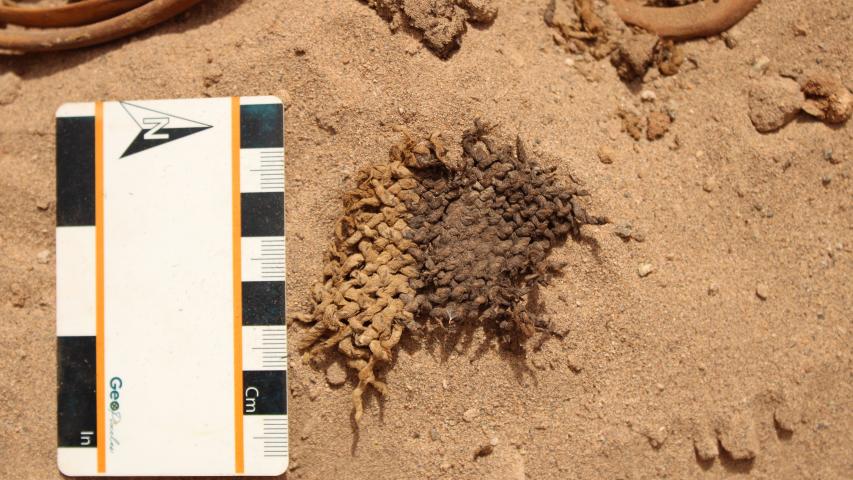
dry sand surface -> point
(713, 342)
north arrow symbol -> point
(157, 128)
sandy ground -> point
(650, 370)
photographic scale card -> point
(171, 341)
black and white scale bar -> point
(270, 170)
(263, 303)
(263, 279)
(273, 349)
(264, 392)
(264, 258)
(264, 347)
(75, 171)
(262, 214)
(274, 437)
(75, 221)
(76, 403)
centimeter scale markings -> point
(172, 349)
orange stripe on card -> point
(236, 235)
(100, 386)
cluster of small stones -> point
(426, 239)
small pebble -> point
(761, 63)
(212, 75)
(671, 108)
(657, 437)
(336, 375)
(19, 298)
(731, 37)
(739, 437)
(470, 415)
(10, 88)
(831, 157)
(434, 435)
(43, 256)
(710, 184)
(828, 98)
(606, 155)
(706, 447)
(762, 291)
(645, 269)
(624, 230)
(648, 96)
(574, 363)
(412, 49)
(483, 451)
(713, 289)
(313, 394)
(773, 103)
(657, 125)
(786, 418)
(286, 98)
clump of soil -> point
(668, 57)
(425, 239)
(773, 103)
(637, 52)
(440, 22)
(631, 123)
(582, 28)
(634, 55)
(826, 97)
(657, 125)
(10, 88)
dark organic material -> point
(425, 239)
